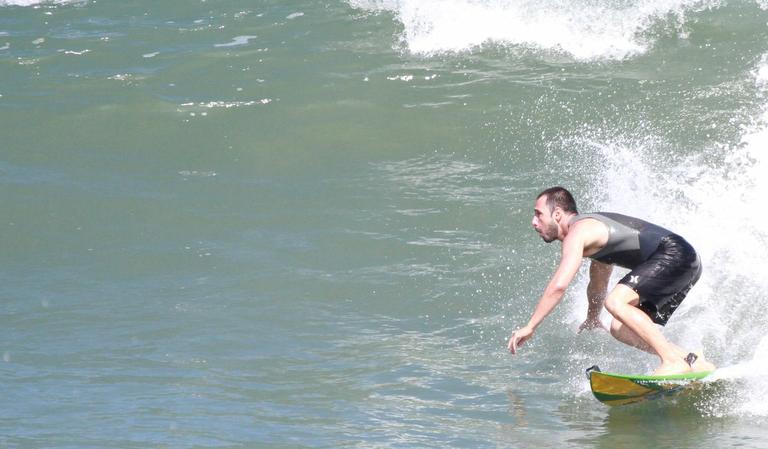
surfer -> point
(663, 267)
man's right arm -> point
(570, 261)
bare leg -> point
(625, 335)
(628, 337)
(635, 328)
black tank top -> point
(631, 241)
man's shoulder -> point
(602, 215)
(613, 219)
(588, 220)
(590, 229)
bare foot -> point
(672, 367)
(701, 364)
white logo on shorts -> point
(634, 279)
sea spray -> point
(716, 209)
(586, 30)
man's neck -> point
(566, 224)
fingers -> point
(512, 344)
(516, 340)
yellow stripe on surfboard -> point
(620, 389)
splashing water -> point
(583, 29)
(716, 209)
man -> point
(663, 267)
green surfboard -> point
(621, 389)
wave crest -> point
(584, 29)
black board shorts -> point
(663, 281)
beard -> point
(549, 234)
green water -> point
(307, 224)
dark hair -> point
(559, 197)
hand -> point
(590, 324)
(519, 337)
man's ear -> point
(557, 214)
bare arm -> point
(573, 251)
(599, 275)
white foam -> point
(582, 28)
(74, 52)
(761, 74)
(742, 281)
(717, 207)
(228, 104)
(237, 41)
(198, 173)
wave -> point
(584, 29)
(713, 198)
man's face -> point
(543, 222)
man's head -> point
(552, 206)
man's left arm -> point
(599, 274)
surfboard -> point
(622, 389)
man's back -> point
(630, 240)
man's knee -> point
(620, 296)
(612, 305)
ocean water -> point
(302, 224)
